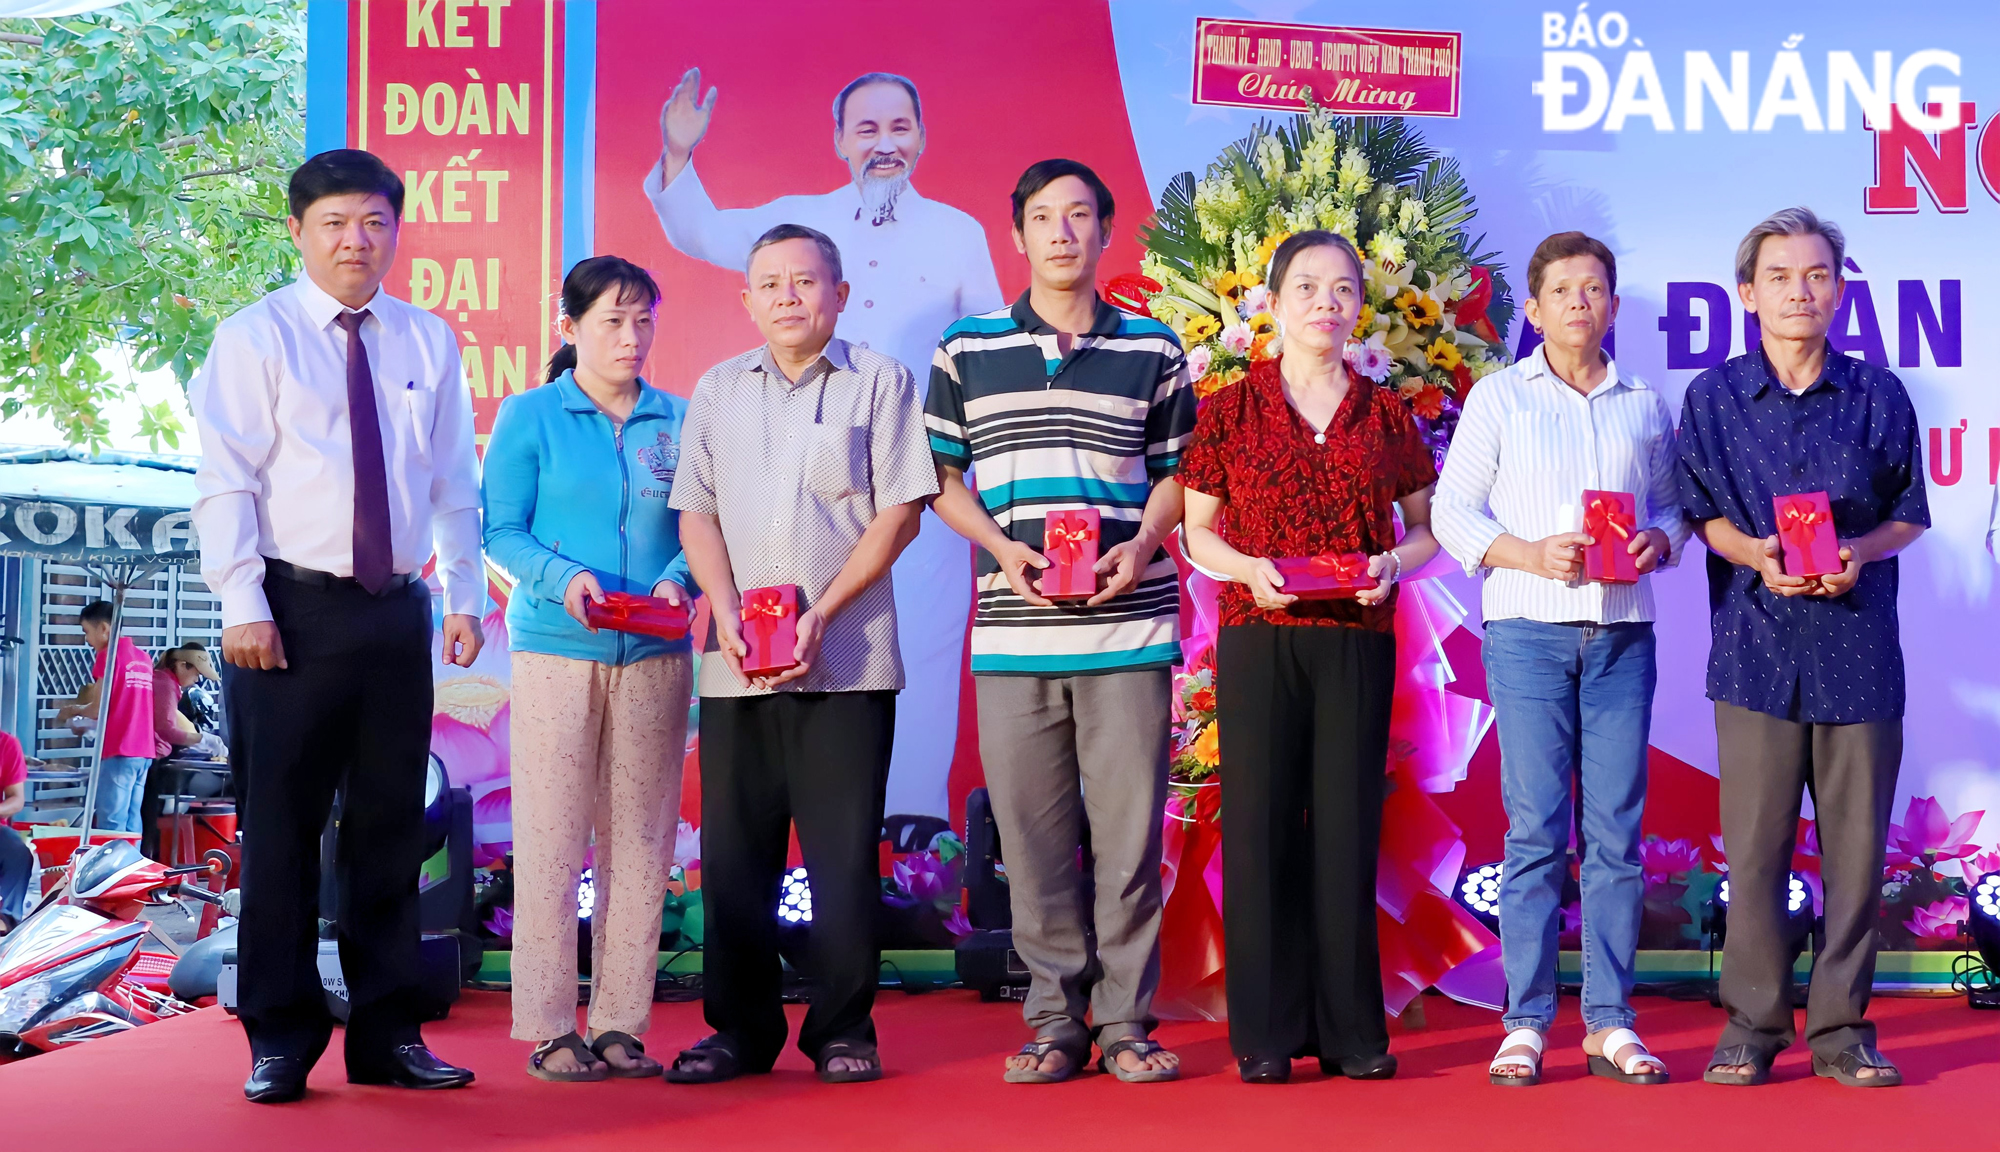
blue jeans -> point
(121, 787)
(17, 863)
(1568, 696)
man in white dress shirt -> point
(1569, 663)
(337, 451)
(915, 267)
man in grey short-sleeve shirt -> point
(803, 463)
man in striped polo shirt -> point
(1063, 402)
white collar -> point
(322, 308)
(1537, 364)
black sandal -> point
(1143, 1049)
(1846, 1068)
(589, 1068)
(1041, 1049)
(641, 1069)
(721, 1060)
(1739, 1055)
(852, 1051)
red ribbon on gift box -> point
(1061, 537)
(1604, 516)
(762, 610)
(1799, 523)
(1347, 567)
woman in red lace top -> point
(1305, 458)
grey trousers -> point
(1850, 769)
(1058, 752)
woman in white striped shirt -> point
(1569, 661)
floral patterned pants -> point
(595, 747)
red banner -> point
(1352, 71)
(462, 97)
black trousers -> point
(819, 760)
(352, 712)
(1304, 715)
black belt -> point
(314, 578)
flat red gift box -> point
(1806, 534)
(1069, 540)
(1327, 576)
(1610, 518)
(771, 629)
(644, 615)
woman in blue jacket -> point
(577, 476)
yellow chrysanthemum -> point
(1365, 320)
(1418, 309)
(1443, 353)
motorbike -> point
(76, 968)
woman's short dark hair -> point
(586, 284)
(1297, 242)
(1564, 245)
(343, 172)
(1043, 173)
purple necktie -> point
(373, 553)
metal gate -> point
(170, 609)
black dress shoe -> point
(409, 1066)
(1264, 1069)
(1382, 1067)
(276, 1079)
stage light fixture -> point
(1479, 893)
(586, 895)
(1982, 990)
(1797, 895)
(1799, 925)
(795, 902)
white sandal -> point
(1518, 1038)
(1636, 1055)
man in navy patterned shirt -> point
(1806, 672)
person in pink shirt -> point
(126, 740)
(17, 861)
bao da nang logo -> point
(1578, 91)
(1908, 104)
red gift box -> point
(771, 628)
(1610, 518)
(1327, 576)
(1805, 533)
(645, 615)
(1069, 540)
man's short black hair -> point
(1043, 173)
(779, 233)
(343, 172)
(96, 612)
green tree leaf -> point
(144, 152)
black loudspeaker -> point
(440, 958)
(988, 964)
(986, 897)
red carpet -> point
(176, 1086)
